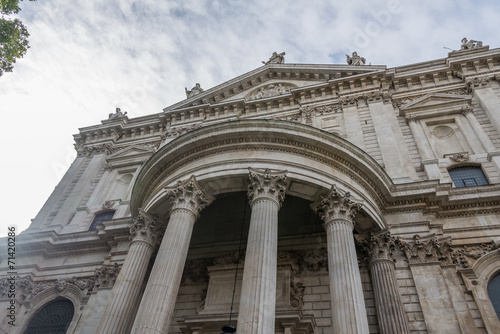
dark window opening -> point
(468, 176)
(53, 318)
(98, 219)
(494, 293)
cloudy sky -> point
(88, 57)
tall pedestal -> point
(119, 312)
(158, 302)
(258, 292)
(337, 210)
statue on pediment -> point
(194, 91)
(275, 59)
(117, 114)
(470, 44)
(355, 59)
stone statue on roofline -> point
(470, 45)
(355, 59)
(117, 114)
(194, 91)
(275, 59)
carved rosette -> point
(145, 229)
(267, 184)
(428, 249)
(188, 195)
(337, 205)
(378, 247)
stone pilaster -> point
(391, 315)
(158, 302)
(337, 210)
(266, 192)
(429, 161)
(118, 314)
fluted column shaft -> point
(118, 314)
(257, 306)
(337, 210)
(158, 302)
(346, 291)
(391, 315)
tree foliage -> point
(13, 36)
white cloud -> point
(87, 57)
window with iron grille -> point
(52, 318)
(98, 219)
(468, 176)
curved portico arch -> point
(220, 155)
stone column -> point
(429, 161)
(118, 314)
(391, 315)
(266, 192)
(337, 210)
(158, 302)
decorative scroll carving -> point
(145, 229)
(189, 195)
(106, 276)
(88, 151)
(297, 289)
(270, 91)
(194, 91)
(196, 271)
(459, 157)
(275, 59)
(20, 286)
(381, 246)
(307, 115)
(177, 131)
(355, 59)
(477, 82)
(265, 183)
(429, 249)
(337, 205)
(466, 256)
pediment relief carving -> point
(271, 90)
(435, 105)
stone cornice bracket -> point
(427, 250)
(267, 184)
(337, 205)
(145, 229)
(189, 195)
(378, 247)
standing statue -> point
(355, 59)
(194, 91)
(470, 45)
(275, 59)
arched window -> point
(99, 218)
(53, 318)
(494, 293)
(468, 176)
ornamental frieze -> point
(173, 132)
(429, 249)
(270, 91)
(466, 256)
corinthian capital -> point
(466, 110)
(337, 205)
(190, 196)
(145, 229)
(265, 183)
(378, 247)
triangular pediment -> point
(437, 101)
(271, 81)
(130, 155)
